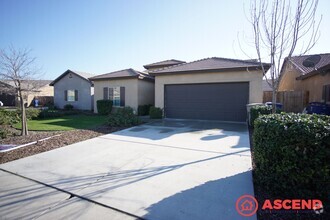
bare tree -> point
(278, 27)
(18, 67)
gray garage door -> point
(212, 101)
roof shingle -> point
(164, 63)
(126, 73)
(213, 63)
(298, 62)
(83, 75)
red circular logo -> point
(246, 205)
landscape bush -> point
(259, 110)
(156, 113)
(123, 117)
(144, 110)
(7, 119)
(31, 113)
(104, 107)
(68, 107)
(291, 155)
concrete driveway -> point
(171, 169)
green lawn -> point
(65, 123)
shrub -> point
(123, 117)
(291, 153)
(155, 113)
(104, 107)
(7, 119)
(68, 107)
(50, 106)
(32, 113)
(144, 110)
(4, 131)
(258, 110)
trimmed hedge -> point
(104, 107)
(291, 154)
(144, 110)
(258, 110)
(123, 117)
(156, 113)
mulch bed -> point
(66, 138)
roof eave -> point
(314, 72)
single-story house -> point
(125, 88)
(33, 89)
(307, 73)
(209, 89)
(73, 87)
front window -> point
(71, 96)
(115, 96)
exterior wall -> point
(46, 90)
(253, 77)
(288, 80)
(314, 85)
(131, 91)
(74, 83)
(146, 92)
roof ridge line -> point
(180, 64)
(113, 72)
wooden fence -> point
(293, 101)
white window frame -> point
(115, 96)
(71, 95)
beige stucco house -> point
(32, 89)
(125, 88)
(210, 89)
(307, 73)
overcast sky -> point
(100, 36)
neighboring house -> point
(33, 89)
(125, 87)
(265, 86)
(6, 94)
(73, 87)
(162, 64)
(209, 89)
(307, 73)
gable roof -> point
(164, 63)
(297, 61)
(210, 64)
(80, 74)
(126, 73)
